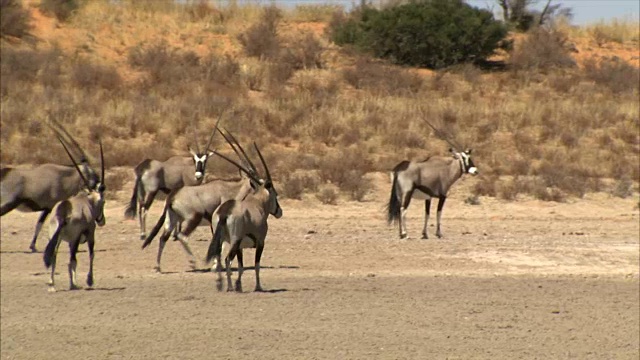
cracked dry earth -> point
(520, 280)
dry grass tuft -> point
(542, 49)
(615, 74)
(328, 194)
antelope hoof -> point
(238, 287)
(143, 236)
(425, 237)
(439, 235)
(33, 249)
(258, 289)
(192, 263)
(75, 287)
(90, 281)
(51, 289)
(219, 285)
(157, 269)
(403, 236)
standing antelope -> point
(427, 179)
(74, 221)
(174, 173)
(243, 224)
(40, 188)
(190, 205)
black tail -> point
(130, 211)
(51, 247)
(215, 246)
(61, 215)
(222, 212)
(393, 207)
(158, 225)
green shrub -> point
(14, 19)
(430, 33)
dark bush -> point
(61, 9)
(261, 39)
(430, 33)
(86, 75)
(304, 53)
(14, 19)
(20, 65)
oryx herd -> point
(236, 211)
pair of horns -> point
(252, 172)
(64, 137)
(442, 135)
(63, 134)
(213, 132)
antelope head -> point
(200, 158)
(95, 190)
(467, 165)
(257, 181)
(465, 161)
(274, 206)
(85, 168)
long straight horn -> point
(253, 167)
(212, 134)
(440, 134)
(195, 137)
(226, 138)
(249, 173)
(101, 163)
(264, 164)
(86, 183)
(60, 131)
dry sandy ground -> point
(524, 280)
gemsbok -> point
(38, 189)
(74, 220)
(239, 224)
(166, 176)
(188, 207)
(431, 178)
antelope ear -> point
(191, 151)
(469, 151)
(211, 153)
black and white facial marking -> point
(276, 210)
(101, 220)
(468, 164)
(89, 174)
(200, 160)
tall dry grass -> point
(324, 118)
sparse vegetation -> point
(326, 116)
